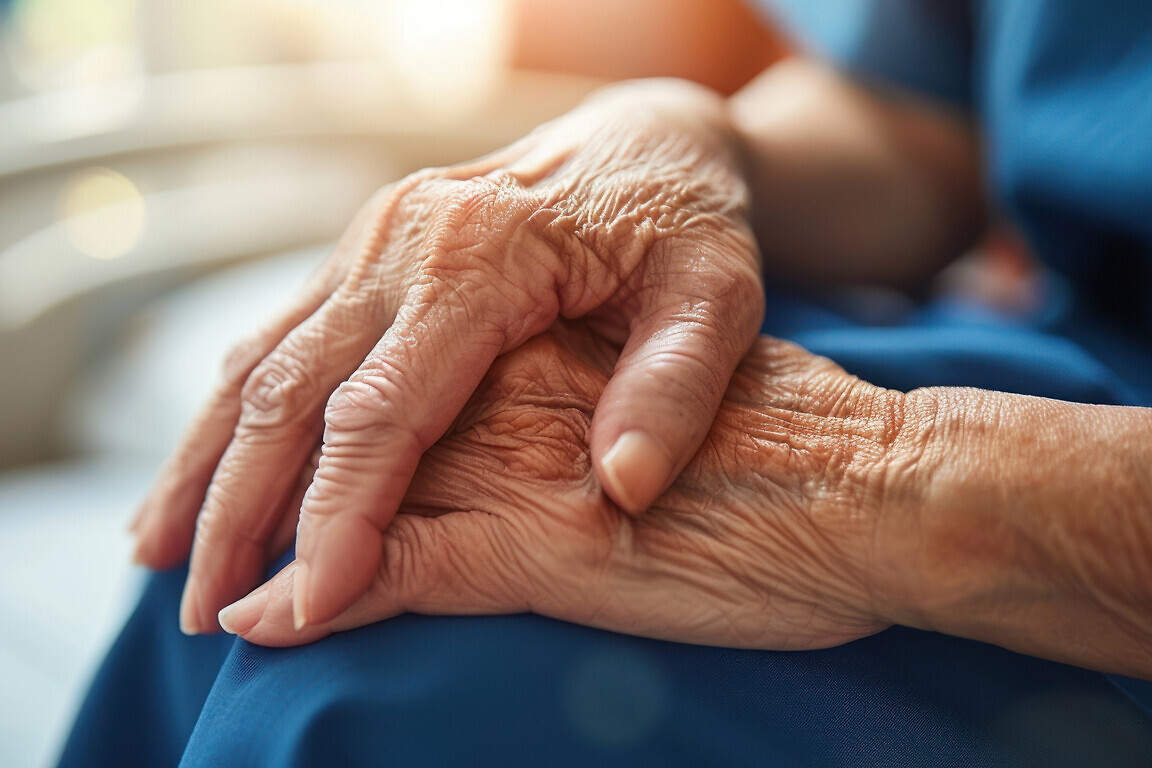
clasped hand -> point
(762, 541)
(628, 213)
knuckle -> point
(732, 294)
(396, 213)
(276, 395)
(474, 222)
(413, 187)
(425, 176)
(376, 406)
(713, 332)
(359, 405)
(465, 224)
(453, 222)
(504, 178)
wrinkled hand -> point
(764, 541)
(629, 212)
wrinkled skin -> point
(762, 542)
(627, 213)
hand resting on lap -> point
(629, 212)
(762, 542)
(819, 509)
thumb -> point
(452, 564)
(663, 396)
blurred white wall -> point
(143, 142)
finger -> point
(280, 422)
(166, 521)
(394, 408)
(453, 564)
(285, 533)
(278, 399)
(668, 383)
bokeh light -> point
(616, 698)
(450, 54)
(103, 213)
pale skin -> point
(802, 509)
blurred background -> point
(169, 174)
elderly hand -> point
(764, 541)
(629, 213)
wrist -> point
(1030, 526)
(930, 556)
(819, 444)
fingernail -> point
(300, 596)
(635, 470)
(189, 607)
(245, 613)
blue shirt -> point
(1063, 92)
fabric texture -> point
(524, 690)
(1063, 88)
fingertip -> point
(265, 616)
(340, 567)
(244, 614)
(635, 470)
(301, 600)
(190, 609)
(153, 550)
(144, 551)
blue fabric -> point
(524, 690)
(1063, 87)
(147, 695)
(920, 45)
(1063, 92)
(1067, 107)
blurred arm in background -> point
(721, 44)
(840, 172)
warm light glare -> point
(450, 53)
(103, 213)
(67, 43)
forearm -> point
(851, 185)
(718, 43)
(1024, 522)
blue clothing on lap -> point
(526, 690)
(1064, 89)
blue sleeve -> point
(919, 45)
